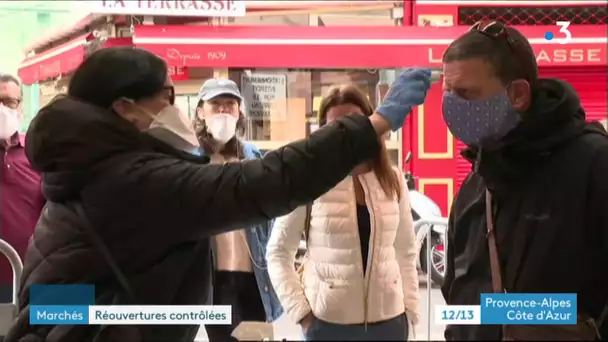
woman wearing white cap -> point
(241, 276)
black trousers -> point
(239, 290)
(6, 293)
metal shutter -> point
(463, 166)
(589, 83)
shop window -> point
(187, 103)
(281, 105)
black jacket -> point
(549, 184)
(155, 209)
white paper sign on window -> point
(435, 20)
(265, 96)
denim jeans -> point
(394, 329)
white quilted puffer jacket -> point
(332, 284)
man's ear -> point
(520, 94)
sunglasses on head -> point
(498, 31)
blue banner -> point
(528, 308)
(59, 315)
(41, 294)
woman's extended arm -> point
(280, 256)
(204, 200)
(207, 200)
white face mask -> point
(9, 122)
(174, 128)
(222, 127)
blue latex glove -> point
(408, 90)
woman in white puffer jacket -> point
(359, 280)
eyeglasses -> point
(171, 90)
(497, 30)
(10, 102)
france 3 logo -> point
(563, 29)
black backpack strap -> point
(105, 252)
(307, 222)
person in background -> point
(241, 279)
(21, 199)
(358, 280)
(131, 210)
(531, 216)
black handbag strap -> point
(307, 218)
(105, 252)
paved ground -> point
(285, 329)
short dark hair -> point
(5, 78)
(507, 64)
(111, 73)
(9, 78)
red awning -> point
(57, 61)
(122, 41)
(346, 47)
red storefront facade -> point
(235, 50)
(582, 62)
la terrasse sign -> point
(182, 8)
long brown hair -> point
(381, 165)
(232, 148)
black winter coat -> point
(155, 208)
(549, 184)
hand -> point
(305, 322)
(408, 90)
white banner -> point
(265, 96)
(159, 315)
(195, 8)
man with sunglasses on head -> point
(532, 215)
(21, 197)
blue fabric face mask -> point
(479, 123)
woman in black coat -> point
(130, 208)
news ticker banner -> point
(75, 305)
(130, 314)
(512, 308)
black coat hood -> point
(69, 137)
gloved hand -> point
(408, 90)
